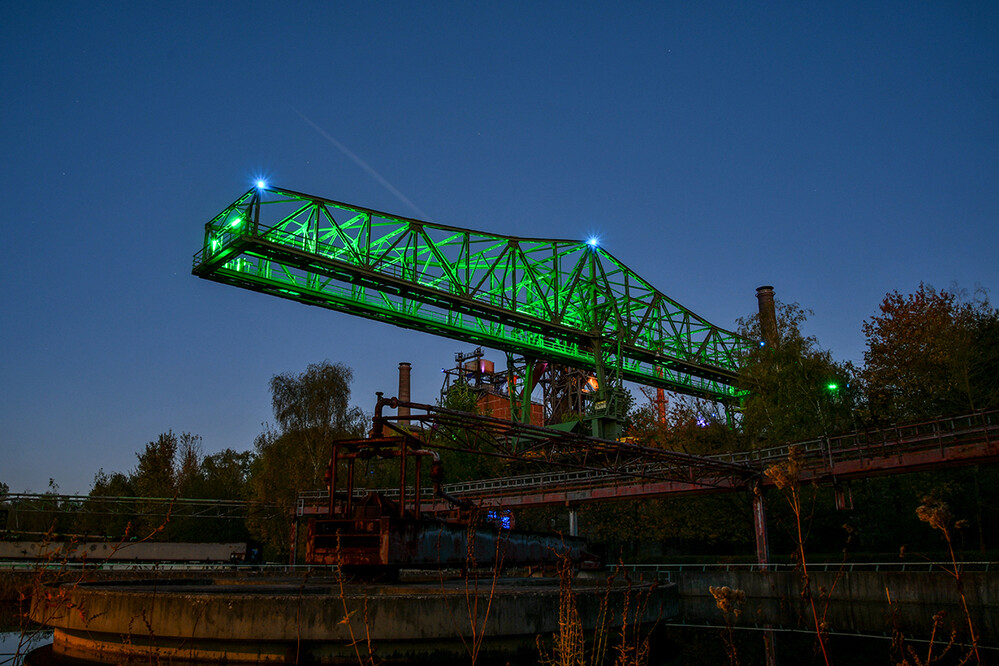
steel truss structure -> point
(970, 439)
(446, 429)
(565, 301)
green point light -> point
(235, 223)
(832, 386)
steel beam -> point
(551, 299)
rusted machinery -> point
(378, 534)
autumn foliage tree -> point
(931, 353)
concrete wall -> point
(857, 601)
(239, 622)
(97, 552)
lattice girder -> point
(561, 300)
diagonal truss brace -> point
(560, 300)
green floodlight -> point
(832, 386)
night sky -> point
(837, 151)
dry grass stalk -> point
(729, 601)
(786, 476)
(569, 645)
(348, 614)
(937, 515)
(54, 582)
(634, 646)
(477, 625)
(903, 653)
(479, 629)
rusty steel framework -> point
(380, 533)
(501, 438)
(566, 392)
(968, 439)
(616, 470)
(377, 535)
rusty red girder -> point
(502, 438)
(969, 439)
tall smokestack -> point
(404, 370)
(768, 314)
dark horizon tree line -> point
(929, 353)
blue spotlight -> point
(261, 184)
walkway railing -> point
(822, 453)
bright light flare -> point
(261, 184)
(593, 241)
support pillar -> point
(511, 387)
(526, 388)
(573, 523)
(843, 496)
(760, 527)
(763, 559)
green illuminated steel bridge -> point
(562, 301)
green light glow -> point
(832, 386)
(561, 300)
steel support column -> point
(760, 526)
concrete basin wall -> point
(857, 603)
(317, 620)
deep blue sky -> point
(837, 151)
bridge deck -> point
(946, 442)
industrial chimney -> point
(768, 314)
(403, 395)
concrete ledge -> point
(293, 620)
(857, 603)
